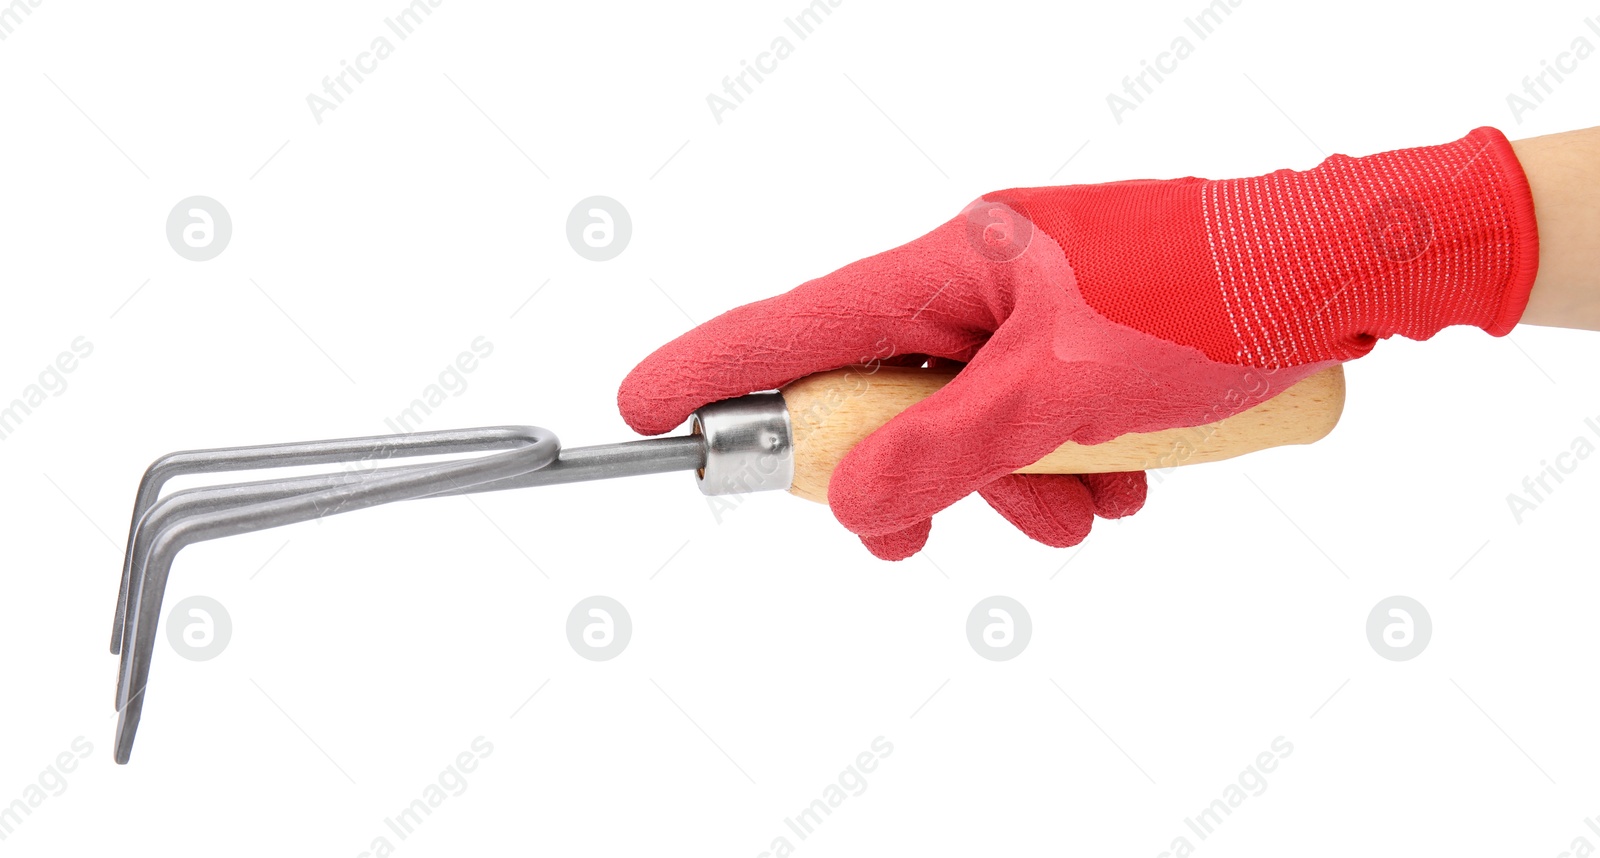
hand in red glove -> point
(1087, 312)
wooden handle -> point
(831, 412)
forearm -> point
(1563, 172)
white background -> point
(769, 648)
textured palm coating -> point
(1053, 370)
(1042, 368)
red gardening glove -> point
(1087, 312)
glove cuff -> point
(1324, 263)
(1524, 232)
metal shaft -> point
(608, 462)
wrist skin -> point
(1563, 173)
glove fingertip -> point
(1117, 495)
(644, 410)
(900, 544)
(1053, 509)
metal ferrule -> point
(749, 445)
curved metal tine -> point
(633, 458)
(655, 455)
(366, 448)
(176, 506)
(146, 591)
